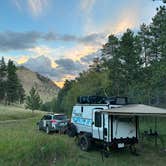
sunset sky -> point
(59, 38)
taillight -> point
(53, 121)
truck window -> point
(98, 119)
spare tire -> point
(71, 130)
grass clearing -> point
(16, 113)
(21, 144)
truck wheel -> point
(47, 130)
(71, 130)
(85, 143)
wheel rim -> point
(83, 144)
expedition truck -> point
(90, 123)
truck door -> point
(105, 127)
(97, 127)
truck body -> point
(91, 121)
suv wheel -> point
(47, 130)
(84, 142)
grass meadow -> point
(21, 144)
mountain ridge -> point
(46, 88)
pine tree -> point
(111, 54)
(2, 78)
(21, 93)
(158, 35)
(33, 101)
(12, 83)
(130, 49)
(144, 35)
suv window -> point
(121, 101)
(98, 119)
(48, 117)
(60, 117)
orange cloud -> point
(59, 83)
(67, 77)
(22, 59)
(76, 53)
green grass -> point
(21, 144)
(16, 113)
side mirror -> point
(37, 123)
(93, 123)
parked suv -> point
(52, 122)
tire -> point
(47, 130)
(71, 130)
(84, 142)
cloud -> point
(68, 66)
(64, 67)
(22, 59)
(88, 39)
(17, 3)
(27, 40)
(18, 40)
(41, 64)
(88, 59)
(122, 16)
(87, 5)
(35, 7)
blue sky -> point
(65, 30)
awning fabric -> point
(137, 110)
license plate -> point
(62, 124)
(121, 145)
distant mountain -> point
(46, 88)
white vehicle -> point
(91, 123)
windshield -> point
(60, 117)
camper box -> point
(91, 123)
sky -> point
(60, 38)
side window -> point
(48, 117)
(98, 119)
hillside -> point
(45, 87)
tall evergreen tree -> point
(112, 61)
(158, 35)
(12, 83)
(144, 35)
(130, 49)
(21, 93)
(2, 79)
(33, 100)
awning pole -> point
(155, 131)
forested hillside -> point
(133, 65)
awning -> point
(137, 110)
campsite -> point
(83, 83)
(31, 147)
